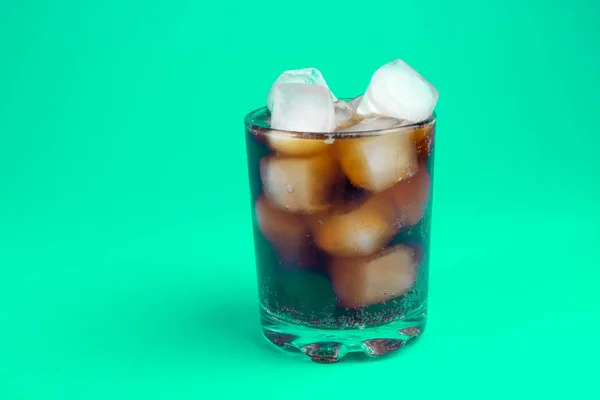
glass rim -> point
(256, 128)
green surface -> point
(125, 235)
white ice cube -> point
(343, 113)
(355, 102)
(397, 90)
(311, 76)
(302, 107)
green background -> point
(125, 242)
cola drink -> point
(341, 230)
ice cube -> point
(410, 198)
(311, 76)
(355, 102)
(343, 112)
(288, 233)
(342, 201)
(368, 227)
(363, 281)
(377, 162)
(287, 144)
(302, 185)
(360, 232)
(397, 90)
(345, 116)
(301, 107)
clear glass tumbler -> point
(341, 232)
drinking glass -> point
(341, 233)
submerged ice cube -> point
(359, 232)
(397, 90)
(364, 281)
(366, 228)
(285, 143)
(299, 185)
(410, 198)
(287, 232)
(377, 162)
(302, 107)
(310, 76)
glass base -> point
(331, 345)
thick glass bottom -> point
(331, 345)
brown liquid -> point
(341, 229)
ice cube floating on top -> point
(302, 107)
(397, 90)
(308, 76)
(301, 101)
